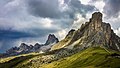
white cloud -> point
(61, 2)
(62, 33)
(79, 20)
(47, 22)
(13, 3)
(115, 23)
(117, 31)
(85, 1)
(99, 4)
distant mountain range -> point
(24, 48)
(93, 45)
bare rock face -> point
(51, 39)
(65, 41)
(24, 46)
(95, 33)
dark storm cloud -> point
(81, 8)
(19, 13)
(43, 32)
(6, 34)
(11, 34)
(112, 8)
(44, 8)
(52, 9)
(6, 44)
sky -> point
(31, 21)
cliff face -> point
(93, 33)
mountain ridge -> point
(92, 33)
(24, 48)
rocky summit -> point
(51, 39)
(91, 34)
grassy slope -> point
(89, 58)
(15, 60)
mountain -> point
(24, 48)
(94, 45)
(51, 39)
(91, 34)
(17, 50)
(49, 43)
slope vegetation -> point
(90, 58)
(93, 57)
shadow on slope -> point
(15, 61)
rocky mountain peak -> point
(51, 39)
(93, 33)
(23, 45)
(37, 46)
(24, 48)
(97, 16)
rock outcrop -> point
(65, 41)
(49, 43)
(91, 34)
(51, 39)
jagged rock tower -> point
(51, 39)
(91, 34)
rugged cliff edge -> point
(91, 34)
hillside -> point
(88, 58)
